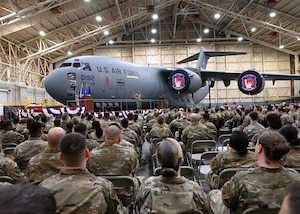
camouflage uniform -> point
(44, 165)
(11, 137)
(78, 191)
(115, 159)
(286, 119)
(229, 159)
(178, 195)
(178, 125)
(212, 129)
(9, 168)
(137, 128)
(130, 136)
(292, 159)
(93, 136)
(91, 144)
(252, 129)
(159, 132)
(194, 132)
(257, 187)
(26, 150)
(112, 159)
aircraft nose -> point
(55, 85)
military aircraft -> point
(114, 83)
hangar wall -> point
(261, 58)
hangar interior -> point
(36, 36)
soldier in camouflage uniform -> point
(135, 126)
(114, 159)
(33, 146)
(254, 127)
(212, 129)
(153, 121)
(262, 186)
(90, 143)
(285, 118)
(291, 159)
(195, 131)
(129, 134)
(48, 163)
(236, 157)
(170, 192)
(75, 189)
(7, 135)
(111, 158)
(158, 132)
(177, 125)
(9, 168)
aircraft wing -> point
(227, 75)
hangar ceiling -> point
(70, 26)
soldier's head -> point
(274, 121)
(169, 155)
(130, 116)
(35, 129)
(81, 128)
(291, 201)
(239, 141)
(253, 115)
(7, 125)
(26, 198)
(124, 123)
(290, 133)
(112, 134)
(272, 146)
(73, 150)
(54, 137)
(161, 119)
(194, 117)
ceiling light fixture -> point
(153, 31)
(240, 39)
(253, 29)
(98, 18)
(281, 46)
(110, 42)
(42, 33)
(154, 16)
(69, 53)
(217, 15)
(106, 32)
(272, 14)
(198, 40)
(152, 40)
(206, 30)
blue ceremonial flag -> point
(84, 90)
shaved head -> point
(54, 136)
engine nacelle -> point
(251, 82)
(185, 81)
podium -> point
(161, 103)
(88, 103)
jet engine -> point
(185, 81)
(251, 82)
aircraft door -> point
(120, 93)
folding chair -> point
(7, 179)
(204, 164)
(154, 163)
(226, 174)
(186, 171)
(9, 152)
(198, 147)
(6, 145)
(261, 211)
(122, 185)
(221, 139)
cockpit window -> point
(76, 64)
(71, 76)
(66, 64)
(86, 66)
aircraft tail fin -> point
(204, 55)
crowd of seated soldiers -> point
(184, 125)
